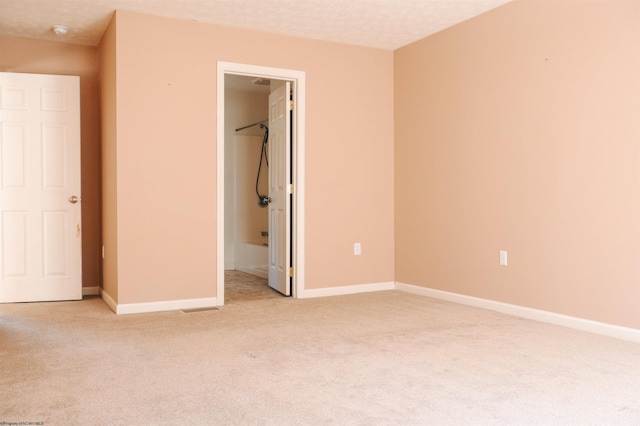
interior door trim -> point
(297, 78)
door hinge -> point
(290, 105)
(290, 188)
(290, 272)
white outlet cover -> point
(503, 258)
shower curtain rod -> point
(251, 125)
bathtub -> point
(252, 258)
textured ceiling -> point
(386, 24)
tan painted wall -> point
(166, 155)
(107, 52)
(519, 130)
(243, 218)
(46, 57)
(251, 218)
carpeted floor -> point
(385, 358)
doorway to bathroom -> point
(260, 182)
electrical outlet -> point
(503, 258)
(357, 249)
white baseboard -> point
(169, 305)
(348, 289)
(610, 330)
(109, 300)
(91, 291)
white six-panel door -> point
(279, 179)
(40, 206)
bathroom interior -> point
(246, 185)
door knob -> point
(73, 199)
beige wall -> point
(251, 218)
(519, 130)
(107, 52)
(166, 155)
(243, 218)
(46, 57)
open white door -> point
(279, 187)
(40, 232)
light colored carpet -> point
(386, 358)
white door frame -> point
(297, 174)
